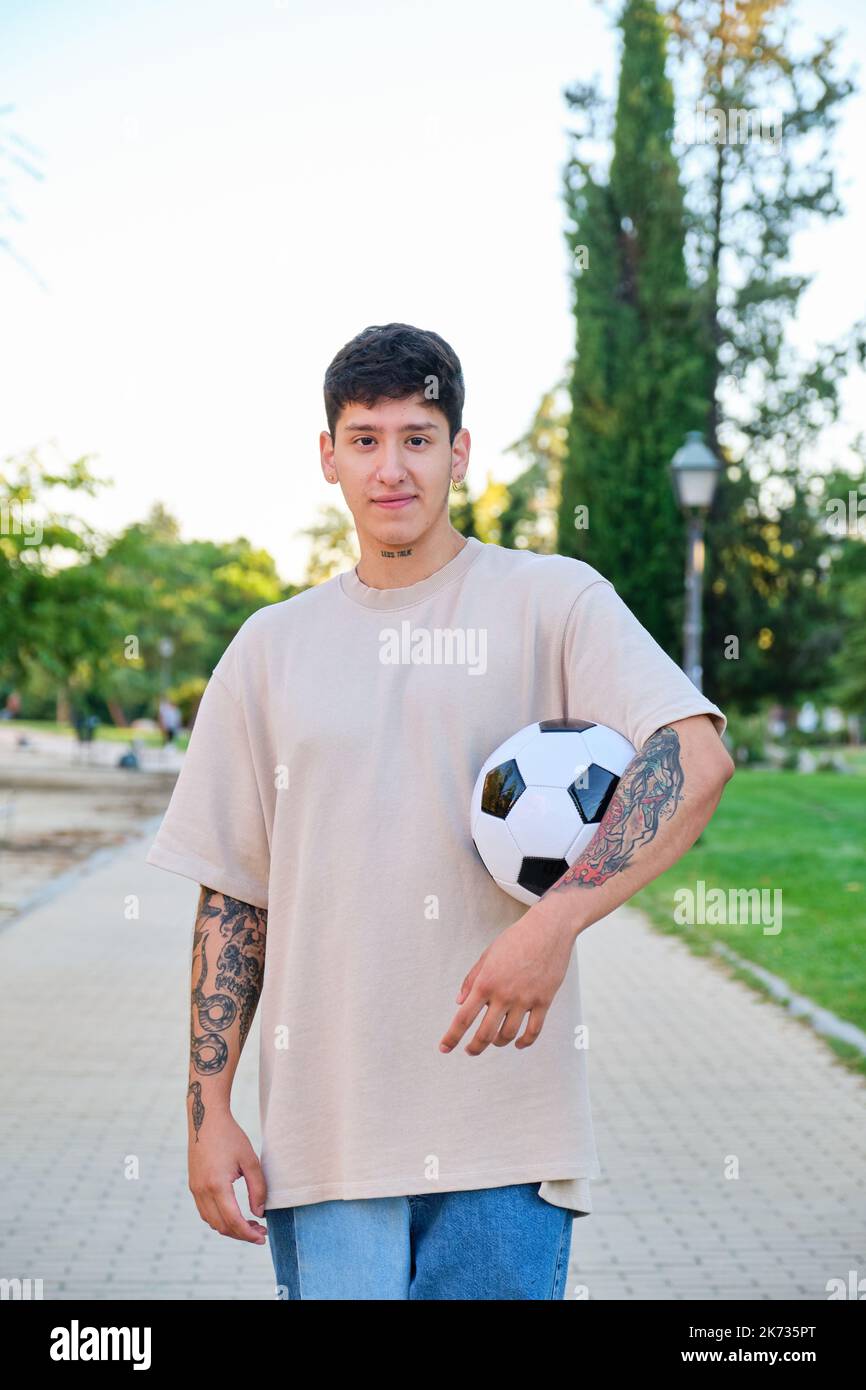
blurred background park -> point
(637, 223)
(641, 225)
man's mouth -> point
(393, 503)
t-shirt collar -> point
(409, 594)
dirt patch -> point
(53, 817)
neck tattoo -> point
(393, 554)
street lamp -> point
(166, 651)
(695, 471)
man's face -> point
(394, 464)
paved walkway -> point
(687, 1068)
(66, 749)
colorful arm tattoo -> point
(648, 793)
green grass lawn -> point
(855, 757)
(803, 834)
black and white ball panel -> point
(539, 799)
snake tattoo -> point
(236, 988)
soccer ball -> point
(539, 800)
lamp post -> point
(166, 651)
(695, 471)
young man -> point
(424, 1102)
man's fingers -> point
(232, 1221)
(510, 1028)
(469, 979)
(257, 1188)
(463, 1019)
(533, 1028)
(206, 1209)
(500, 1025)
(487, 1029)
(210, 1212)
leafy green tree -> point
(845, 513)
(84, 614)
(751, 183)
(640, 360)
(193, 594)
(462, 511)
(772, 625)
(529, 519)
(488, 509)
(760, 115)
(333, 545)
(54, 609)
(850, 659)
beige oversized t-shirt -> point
(328, 778)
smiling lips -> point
(393, 503)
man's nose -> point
(393, 468)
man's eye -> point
(413, 439)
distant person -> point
(85, 726)
(169, 720)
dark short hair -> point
(394, 361)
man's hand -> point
(519, 973)
(664, 799)
(216, 1161)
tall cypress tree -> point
(761, 404)
(641, 361)
(751, 187)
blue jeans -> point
(485, 1243)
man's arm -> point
(665, 797)
(228, 962)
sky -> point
(233, 189)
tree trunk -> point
(115, 709)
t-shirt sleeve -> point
(215, 830)
(615, 673)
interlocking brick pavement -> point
(687, 1068)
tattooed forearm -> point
(197, 1106)
(235, 990)
(241, 962)
(648, 793)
